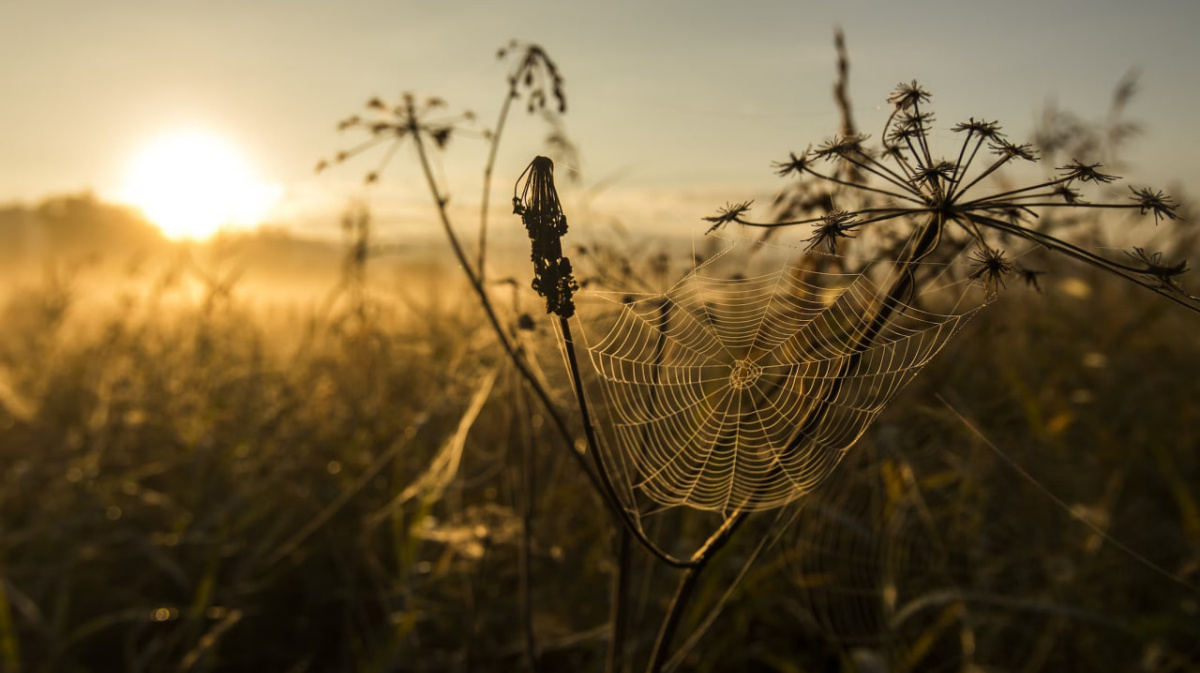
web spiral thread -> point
(746, 393)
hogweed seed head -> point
(534, 73)
(1082, 172)
(942, 199)
(730, 213)
(794, 165)
(942, 171)
(1154, 265)
(991, 268)
(983, 129)
(1156, 202)
(1071, 196)
(1011, 150)
(1030, 276)
(841, 146)
(834, 225)
(392, 124)
(908, 95)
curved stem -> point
(876, 168)
(602, 468)
(619, 610)
(1011, 192)
(863, 187)
(687, 585)
(1132, 274)
(487, 183)
(890, 213)
(528, 487)
(485, 302)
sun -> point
(192, 184)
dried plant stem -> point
(599, 476)
(528, 488)
(778, 527)
(485, 302)
(619, 611)
(487, 183)
(601, 467)
(1129, 273)
(687, 586)
(840, 94)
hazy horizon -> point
(669, 100)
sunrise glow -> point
(193, 184)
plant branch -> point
(487, 181)
(601, 467)
(514, 355)
(619, 609)
(687, 586)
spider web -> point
(745, 392)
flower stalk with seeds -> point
(391, 125)
(940, 196)
(542, 214)
(411, 120)
(990, 268)
(422, 123)
(531, 74)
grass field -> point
(269, 454)
(209, 485)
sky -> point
(665, 97)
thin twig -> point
(487, 182)
(485, 302)
(602, 468)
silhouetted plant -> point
(900, 181)
(938, 197)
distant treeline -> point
(73, 227)
(104, 239)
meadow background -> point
(209, 453)
(299, 447)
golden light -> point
(193, 184)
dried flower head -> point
(794, 164)
(983, 129)
(991, 268)
(536, 201)
(1085, 173)
(1010, 150)
(908, 95)
(834, 225)
(392, 124)
(1069, 195)
(945, 201)
(1154, 265)
(1156, 202)
(841, 146)
(942, 171)
(730, 213)
(533, 72)
(1030, 276)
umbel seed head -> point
(536, 201)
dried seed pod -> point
(541, 212)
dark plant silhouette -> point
(938, 197)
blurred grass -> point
(211, 485)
